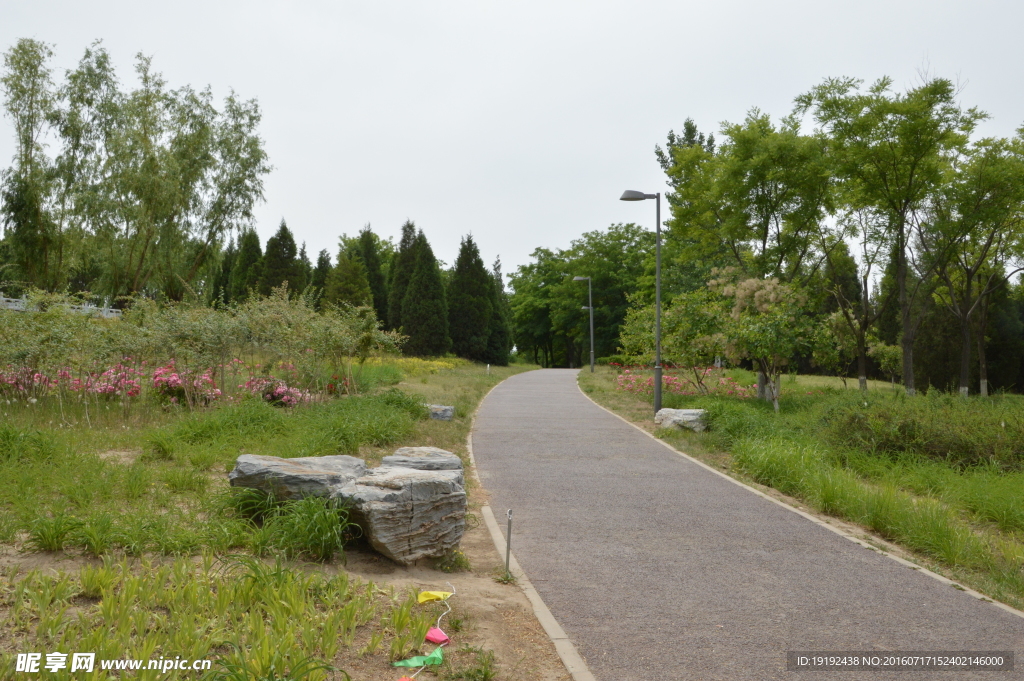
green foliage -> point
(347, 283)
(369, 252)
(470, 299)
(499, 330)
(963, 433)
(546, 303)
(424, 308)
(245, 272)
(145, 183)
(280, 265)
(402, 266)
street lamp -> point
(590, 299)
(630, 195)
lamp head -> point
(580, 278)
(630, 195)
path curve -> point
(659, 569)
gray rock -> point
(407, 514)
(440, 412)
(315, 476)
(426, 459)
(694, 419)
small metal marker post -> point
(508, 544)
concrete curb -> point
(571, 657)
(814, 519)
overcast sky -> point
(520, 122)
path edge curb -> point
(571, 658)
(813, 518)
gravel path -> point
(659, 569)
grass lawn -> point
(936, 478)
(119, 535)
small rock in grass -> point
(693, 419)
(440, 412)
(312, 476)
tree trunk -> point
(980, 337)
(907, 340)
(965, 355)
(862, 367)
(762, 386)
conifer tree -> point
(402, 267)
(347, 284)
(323, 268)
(424, 310)
(222, 280)
(368, 253)
(305, 270)
(470, 303)
(280, 262)
(245, 272)
(499, 336)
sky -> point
(518, 122)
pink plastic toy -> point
(437, 636)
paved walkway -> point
(658, 569)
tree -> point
(30, 98)
(975, 226)
(766, 326)
(347, 284)
(892, 149)
(499, 329)
(323, 268)
(424, 309)
(245, 273)
(470, 303)
(402, 267)
(280, 262)
(220, 293)
(147, 183)
(369, 251)
(305, 270)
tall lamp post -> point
(590, 299)
(630, 195)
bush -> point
(963, 432)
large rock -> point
(311, 476)
(412, 507)
(407, 514)
(426, 459)
(439, 412)
(693, 419)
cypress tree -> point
(305, 270)
(470, 303)
(323, 268)
(499, 336)
(370, 256)
(222, 280)
(280, 262)
(402, 266)
(424, 311)
(245, 272)
(347, 282)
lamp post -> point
(630, 195)
(590, 299)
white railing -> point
(21, 305)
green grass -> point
(937, 474)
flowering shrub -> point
(276, 391)
(185, 386)
(118, 381)
(639, 384)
